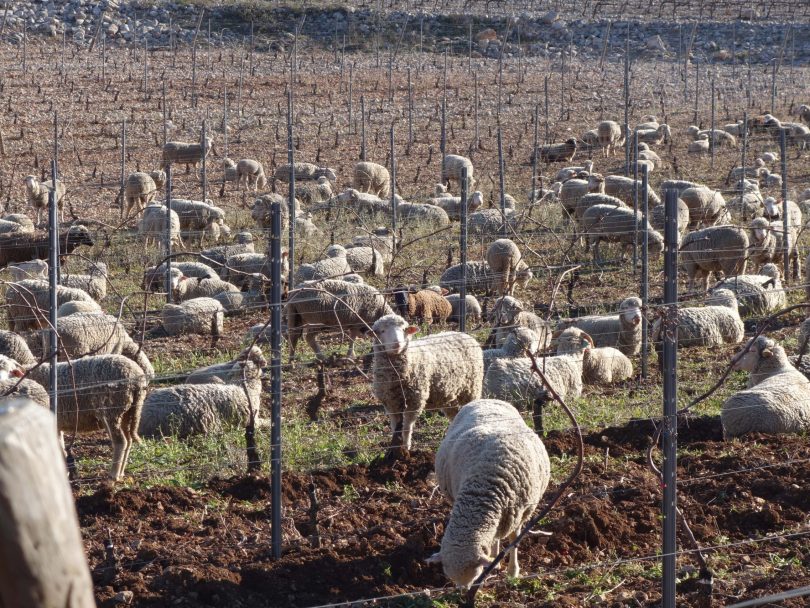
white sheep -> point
(152, 226)
(78, 306)
(520, 342)
(28, 302)
(495, 470)
(661, 134)
(443, 371)
(622, 330)
(508, 313)
(139, 190)
(196, 316)
(452, 204)
(757, 294)
(373, 178)
(304, 172)
(621, 225)
(37, 194)
(452, 165)
(473, 308)
(713, 249)
(610, 136)
(715, 324)
(503, 257)
(94, 282)
(250, 174)
(184, 153)
(574, 189)
(570, 172)
(15, 347)
(706, 206)
(604, 365)
(624, 188)
(35, 269)
(219, 372)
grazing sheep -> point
(219, 372)
(661, 134)
(83, 334)
(706, 206)
(480, 278)
(152, 226)
(242, 268)
(558, 153)
(658, 218)
(35, 269)
(373, 178)
(713, 249)
(37, 194)
(366, 261)
(250, 174)
(331, 267)
(748, 203)
(495, 471)
(504, 257)
(229, 169)
(644, 153)
(76, 307)
(773, 211)
(757, 294)
(196, 316)
(486, 222)
(452, 166)
(194, 216)
(15, 347)
(452, 204)
(94, 283)
(777, 399)
(604, 365)
(184, 153)
(623, 188)
(610, 137)
(424, 305)
(139, 191)
(574, 189)
(313, 193)
(26, 247)
(508, 313)
(804, 113)
(262, 211)
(100, 391)
(519, 342)
(203, 409)
(304, 172)
(622, 330)
(715, 324)
(473, 308)
(443, 370)
(28, 302)
(589, 200)
(619, 225)
(330, 304)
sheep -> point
(94, 283)
(623, 188)
(777, 399)
(262, 209)
(773, 211)
(713, 249)
(312, 193)
(452, 204)
(622, 330)
(574, 189)
(219, 372)
(590, 141)
(184, 153)
(373, 178)
(11, 385)
(7, 227)
(154, 277)
(748, 203)
(757, 294)
(37, 194)
(792, 246)
(508, 313)
(424, 305)
(610, 136)
(559, 152)
(473, 308)
(381, 239)
(229, 171)
(159, 177)
(715, 324)
(770, 180)
(718, 137)
(452, 166)
(762, 242)
(304, 172)
(187, 288)
(76, 307)
(152, 226)
(618, 224)
(503, 257)
(519, 342)
(737, 129)
(332, 304)
(444, 370)
(595, 198)
(219, 255)
(677, 184)
(604, 365)
(648, 122)
(235, 302)
(82, 334)
(567, 173)
(240, 269)
(250, 174)
(706, 206)
(196, 316)
(27, 247)
(25, 222)
(417, 213)
(639, 165)
(365, 260)
(202, 409)
(495, 471)
(331, 267)
(699, 146)
(139, 191)
(28, 302)
(15, 347)
(35, 269)
(661, 134)
(644, 153)
(480, 277)
(214, 231)
(804, 113)
(490, 221)
(754, 172)
(658, 218)
(194, 216)
(102, 390)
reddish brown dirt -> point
(175, 546)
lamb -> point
(202, 409)
(83, 334)
(28, 302)
(508, 313)
(423, 305)
(37, 194)
(27, 247)
(373, 178)
(762, 242)
(452, 166)
(618, 224)
(757, 294)
(503, 257)
(333, 266)
(604, 365)
(366, 260)
(715, 324)
(519, 342)
(574, 189)
(35, 269)
(139, 191)
(622, 330)
(304, 172)
(713, 249)
(658, 218)
(777, 399)
(558, 153)
(196, 316)
(610, 136)
(152, 226)
(623, 187)
(94, 283)
(103, 390)
(314, 307)
(15, 347)
(186, 288)
(661, 134)
(218, 373)
(154, 277)
(487, 447)
(250, 174)
(184, 153)
(490, 221)
(452, 204)
(443, 370)
(313, 193)
(77, 307)
(473, 308)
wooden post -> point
(42, 561)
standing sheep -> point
(439, 371)
(623, 187)
(139, 190)
(618, 224)
(313, 193)
(495, 471)
(610, 136)
(452, 164)
(250, 174)
(152, 226)
(658, 218)
(373, 178)
(473, 312)
(184, 153)
(37, 194)
(713, 249)
(706, 206)
(424, 305)
(503, 257)
(574, 189)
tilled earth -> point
(374, 525)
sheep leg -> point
(310, 338)
(119, 443)
(513, 569)
(409, 420)
(395, 449)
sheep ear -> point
(411, 330)
(436, 558)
